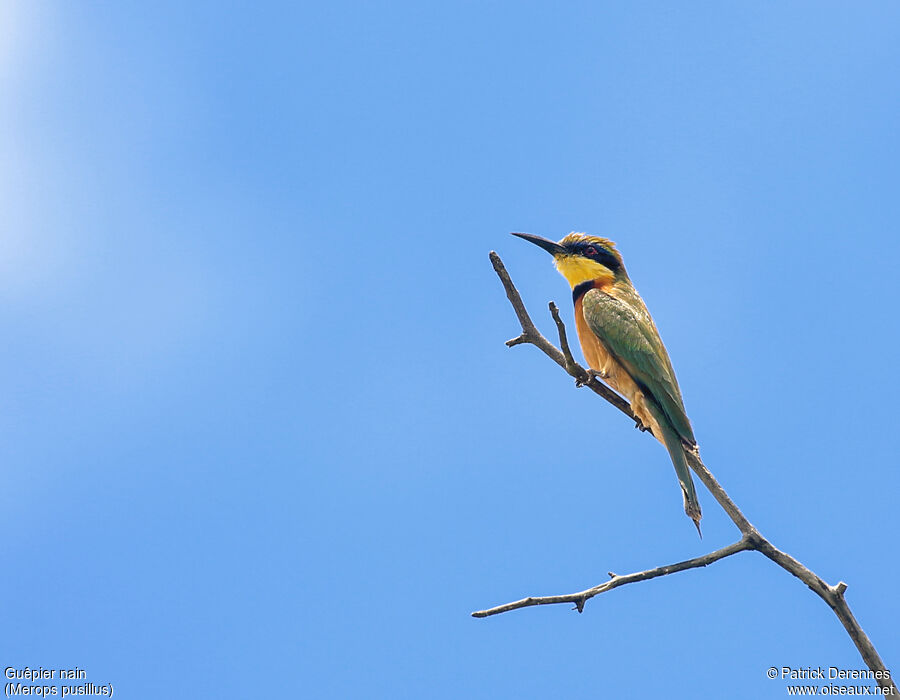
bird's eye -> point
(590, 251)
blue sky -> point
(259, 433)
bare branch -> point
(751, 538)
(579, 599)
(563, 340)
(530, 334)
(724, 500)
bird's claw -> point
(591, 374)
(640, 426)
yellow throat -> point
(577, 269)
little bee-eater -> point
(622, 346)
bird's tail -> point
(675, 447)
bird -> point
(623, 348)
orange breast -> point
(594, 352)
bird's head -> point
(582, 258)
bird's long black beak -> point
(550, 246)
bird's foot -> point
(640, 426)
(591, 374)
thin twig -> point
(751, 538)
(563, 340)
(579, 599)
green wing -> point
(628, 333)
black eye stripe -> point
(601, 255)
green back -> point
(626, 329)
